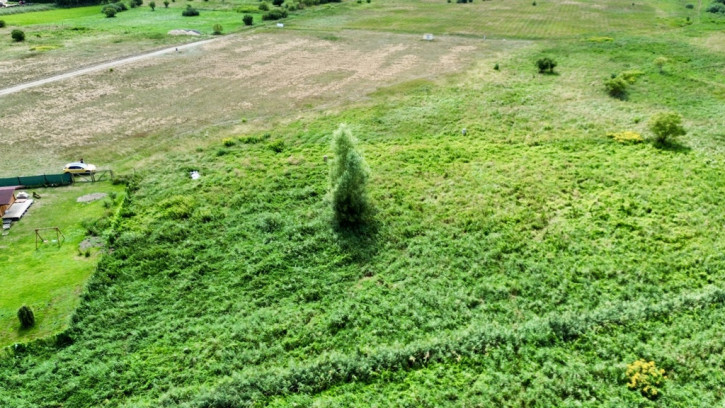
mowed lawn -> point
(50, 278)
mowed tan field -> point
(159, 101)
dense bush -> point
(190, 11)
(274, 15)
(546, 64)
(248, 19)
(18, 35)
(217, 30)
(690, 6)
(716, 8)
(616, 87)
(2, 23)
(666, 125)
(277, 2)
(152, 5)
(263, 6)
(348, 179)
(109, 11)
(26, 317)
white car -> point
(79, 168)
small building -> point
(7, 199)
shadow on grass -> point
(361, 240)
(672, 146)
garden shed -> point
(7, 198)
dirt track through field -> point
(99, 67)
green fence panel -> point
(45, 180)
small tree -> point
(166, 3)
(660, 63)
(546, 64)
(348, 178)
(217, 29)
(26, 317)
(18, 35)
(666, 125)
(248, 19)
(152, 5)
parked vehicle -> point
(79, 168)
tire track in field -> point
(99, 67)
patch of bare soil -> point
(91, 242)
(91, 197)
(238, 76)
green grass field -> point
(49, 279)
(525, 262)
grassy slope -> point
(48, 279)
(524, 263)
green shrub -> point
(666, 125)
(263, 6)
(616, 87)
(277, 14)
(277, 2)
(26, 317)
(190, 11)
(277, 146)
(166, 3)
(2, 23)
(18, 35)
(248, 19)
(217, 30)
(227, 141)
(348, 179)
(152, 5)
(546, 64)
(109, 11)
(496, 67)
(689, 6)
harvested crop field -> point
(242, 76)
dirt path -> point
(99, 67)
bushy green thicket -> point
(276, 14)
(334, 369)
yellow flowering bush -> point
(645, 377)
(626, 137)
